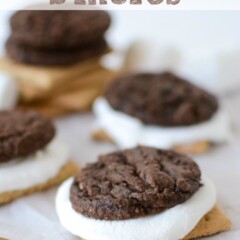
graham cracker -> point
(68, 170)
(100, 135)
(46, 110)
(212, 223)
(75, 101)
(194, 148)
(96, 78)
(46, 77)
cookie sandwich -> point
(32, 157)
(160, 110)
(141, 193)
(55, 58)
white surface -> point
(35, 169)
(172, 224)
(8, 92)
(34, 217)
(118, 126)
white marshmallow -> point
(35, 169)
(174, 223)
(127, 131)
(8, 92)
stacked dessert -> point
(161, 110)
(32, 157)
(140, 194)
(54, 56)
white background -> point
(34, 217)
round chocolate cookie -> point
(134, 183)
(161, 99)
(23, 133)
(57, 29)
(53, 57)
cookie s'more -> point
(141, 193)
(161, 110)
(32, 156)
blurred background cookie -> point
(161, 110)
(53, 54)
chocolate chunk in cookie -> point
(134, 183)
(23, 133)
(43, 57)
(161, 99)
(58, 29)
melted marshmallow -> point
(35, 169)
(127, 131)
(174, 223)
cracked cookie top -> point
(23, 133)
(134, 183)
(161, 99)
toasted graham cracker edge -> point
(194, 148)
(212, 223)
(68, 170)
(48, 110)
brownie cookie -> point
(55, 57)
(161, 99)
(57, 29)
(134, 183)
(23, 133)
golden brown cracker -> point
(212, 223)
(46, 77)
(47, 110)
(97, 78)
(68, 170)
(194, 148)
(100, 135)
(77, 101)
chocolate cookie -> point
(23, 133)
(57, 29)
(134, 183)
(161, 99)
(53, 57)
